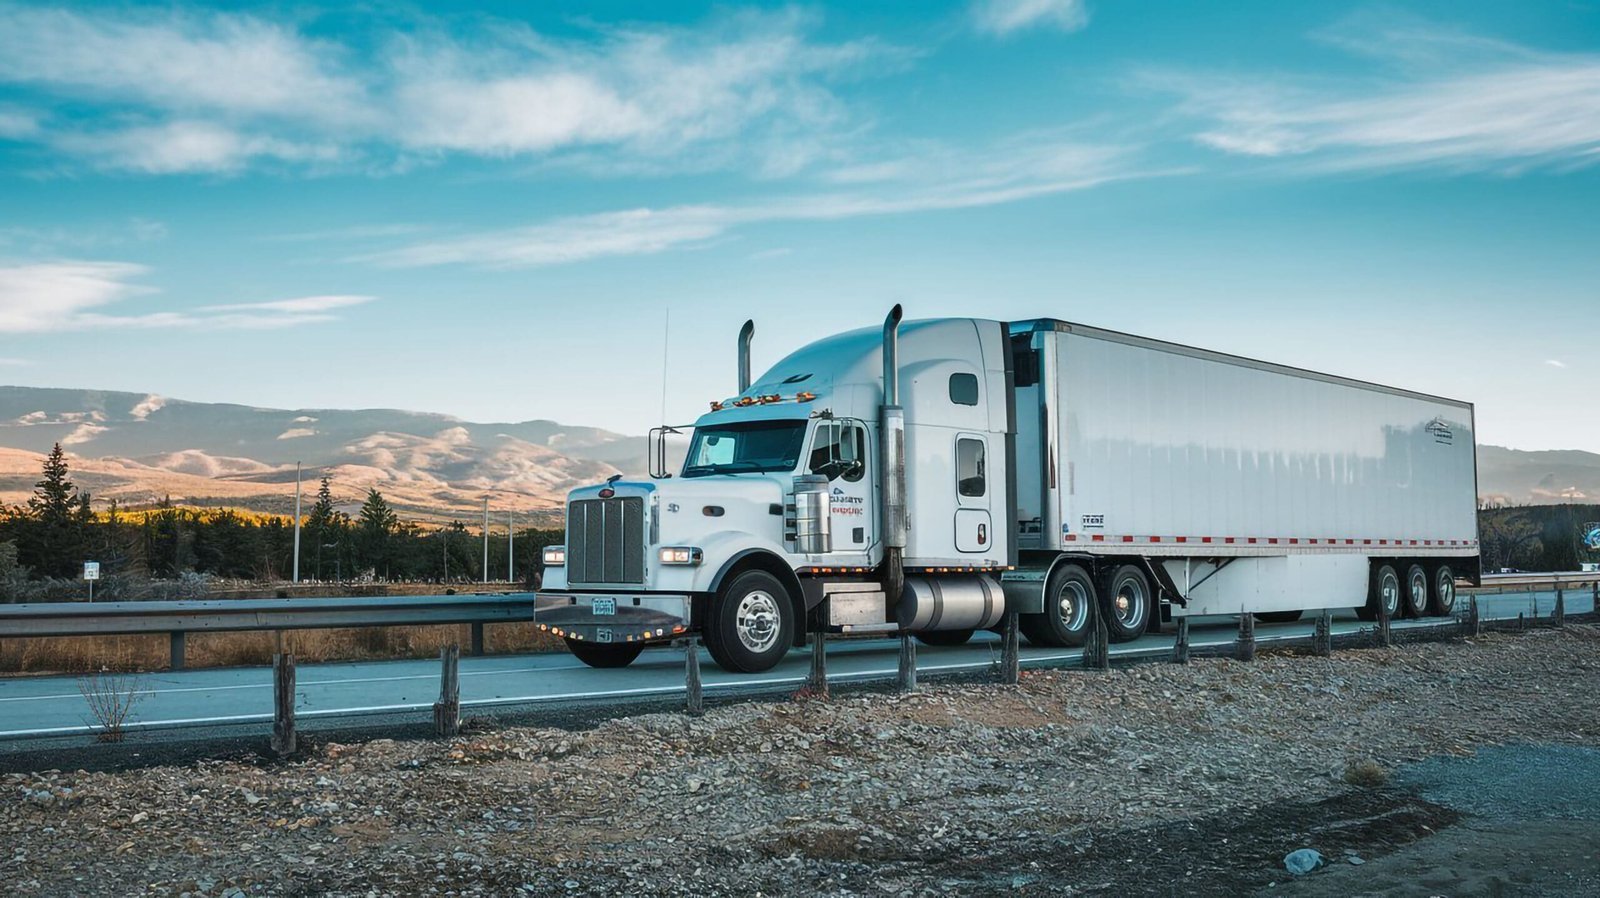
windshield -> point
(744, 448)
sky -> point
(515, 211)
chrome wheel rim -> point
(1389, 594)
(1419, 592)
(756, 621)
(1447, 591)
(1072, 605)
(1129, 604)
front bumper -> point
(610, 617)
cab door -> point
(974, 493)
(839, 452)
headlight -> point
(681, 555)
(555, 556)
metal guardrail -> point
(177, 619)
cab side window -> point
(839, 451)
(970, 477)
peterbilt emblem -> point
(672, 507)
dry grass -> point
(124, 653)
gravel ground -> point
(1155, 779)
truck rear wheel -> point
(603, 654)
(1127, 604)
(1415, 592)
(1069, 594)
(1383, 587)
(945, 637)
(1442, 597)
(751, 623)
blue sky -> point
(493, 212)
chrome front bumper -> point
(609, 617)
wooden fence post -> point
(1096, 651)
(1010, 652)
(477, 639)
(1180, 649)
(695, 698)
(1381, 632)
(447, 710)
(1474, 623)
(906, 681)
(1559, 616)
(283, 736)
(1322, 634)
(1244, 646)
(818, 681)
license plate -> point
(602, 634)
(604, 607)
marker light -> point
(804, 396)
(716, 406)
(681, 555)
(555, 556)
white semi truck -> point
(933, 476)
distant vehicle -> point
(934, 475)
(1511, 570)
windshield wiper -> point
(724, 468)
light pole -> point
(511, 547)
(486, 540)
(297, 522)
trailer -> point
(934, 476)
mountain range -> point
(140, 448)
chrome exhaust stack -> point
(746, 334)
(892, 424)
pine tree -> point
(378, 523)
(51, 540)
(320, 525)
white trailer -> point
(937, 475)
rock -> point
(1355, 860)
(1303, 861)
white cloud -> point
(72, 294)
(17, 124)
(83, 433)
(147, 406)
(305, 305)
(15, 363)
(1038, 165)
(1555, 363)
(1004, 17)
(295, 433)
(218, 92)
(1451, 101)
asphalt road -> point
(35, 708)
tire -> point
(1128, 603)
(603, 654)
(1442, 591)
(1414, 591)
(751, 623)
(1384, 582)
(1279, 617)
(945, 637)
(1069, 595)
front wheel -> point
(751, 623)
(605, 654)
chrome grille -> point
(605, 540)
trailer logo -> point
(1442, 434)
(1093, 522)
(1591, 536)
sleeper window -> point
(964, 389)
(969, 467)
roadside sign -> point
(91, 570)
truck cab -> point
(789, 513)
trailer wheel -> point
(1442, 598)
(601, 654)
(945, 637)
(1127, 603)
(1383, 587)
(1415, 592)
(751, 623)
(1068, 596)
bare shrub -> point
(111, 697)
(1365, 773)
